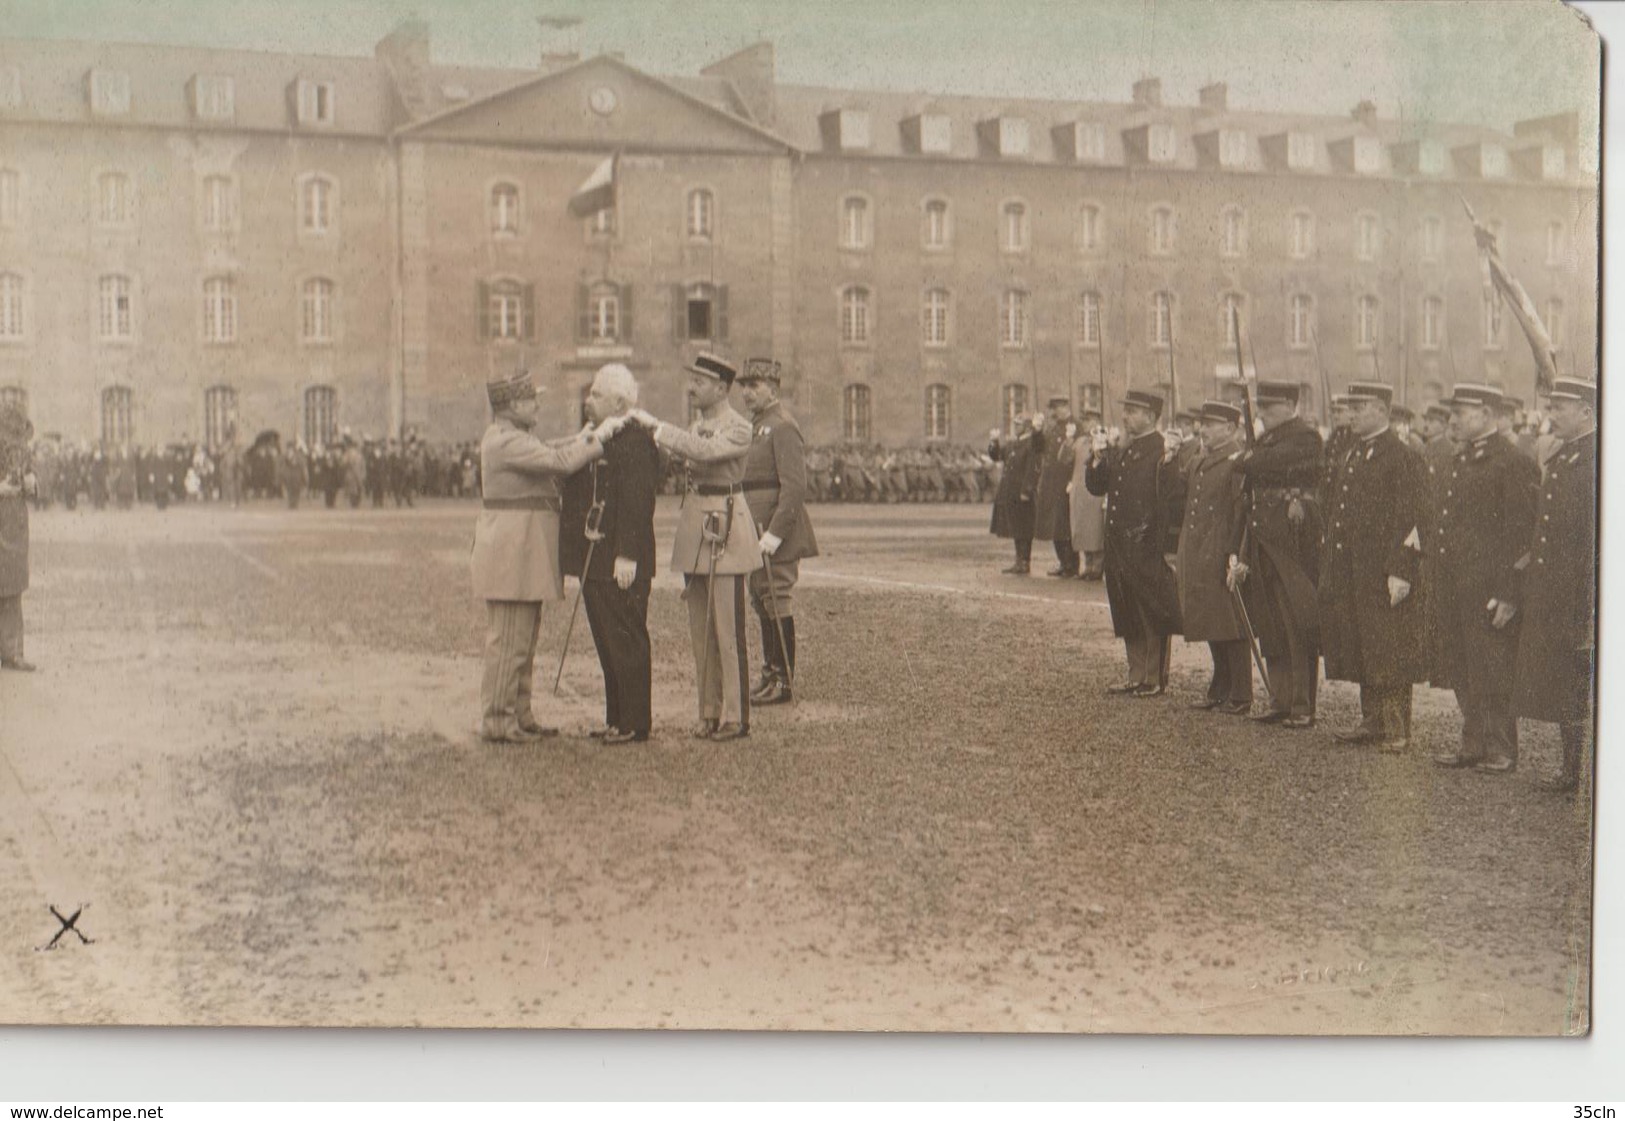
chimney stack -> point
(1215, 97)
(1148, 93)
(559, 46)
(752, 73)
(405, 54)
(1366, 113)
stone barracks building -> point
(190, 237)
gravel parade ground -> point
(251, 751)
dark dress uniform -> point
(1137, 480)
(1485, 514)
(1379, 519)
(1052, 507)
(1281, 548)
(1555, 668)
(1209, 537)
(776, 492)
(625, 481)
(1013, 502)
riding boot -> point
(770, 653)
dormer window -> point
(313, 103)
(1430, 158)
(1300, 151)
(109, 93)
(213, 97)
(852, 129)
(1232, 148)
(1090, 140)
(1160, 144)
(1013, 136)
(1494, 164)
(11, 88)
(936, 134)
(1367, 155)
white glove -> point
(1071, 431)
(992, 433)
(1170, 444)
(769, 544)
(606, 430)
(1069, 488)
(626, 571)
(1397, 590)
(1236, 574)
(1504, 612)
(1099, 441)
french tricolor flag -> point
(597, 191)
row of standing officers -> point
(1464, 564)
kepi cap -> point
(505, 391)
(1143, 399)
(1467, 393)
(711, 366)
(1277, 393)
(761, 369)
(1573, 389)
(1220, 410)
(1362, 391)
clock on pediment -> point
(602, 100)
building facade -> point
(192, 239)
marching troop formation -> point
(1466, 560)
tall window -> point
(1089, 229)
(219, 415)
(1555, 243)
(219, 310)
(1432, 322)
(505, 210)
(1493, 308)
(316, 311)
(854, 316)
(938, 418)
(1554, 322)
(934, 318)
(1162, 318)
(11, 194)
(1160, 143)
(934, 234)
(1366, 236)
(1089, 319)
(1232, 310)
(1013, 227)
(321, 415)
(1013, 318)
(117, 410)
(114, 321)
(11, 306)
(505, 310)
(316, 205)
(1303, 233)
(701, 214)
(1162, 230)
(603, 323)
(699, 311)
(854, 223)
(1432, 237)
(218, 210)
(117, 199)
(14, 397)
(855, 413)
(1367, 325)
(1301, 332)
(1013, 402)
(1233, 232)
(315, 102)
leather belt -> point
(715, 490)
(760, 484)
(532, 502)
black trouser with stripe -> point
(619, 621)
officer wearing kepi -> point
(515, 561)
(1373, 621)
(717, 544)
(1278, 564)
(1139, 481)
(1486, 511)
(1213, 525)
(1557, 646)
(776, 492)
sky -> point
(1486, 62)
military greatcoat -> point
(1013, 504)
(1052, 509)
(1211, 533)
(516, 540)
(1282, 546)
(1379, 519)
(1486, 511)
(1558, 588)
(776, 483)
(1137, 485)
